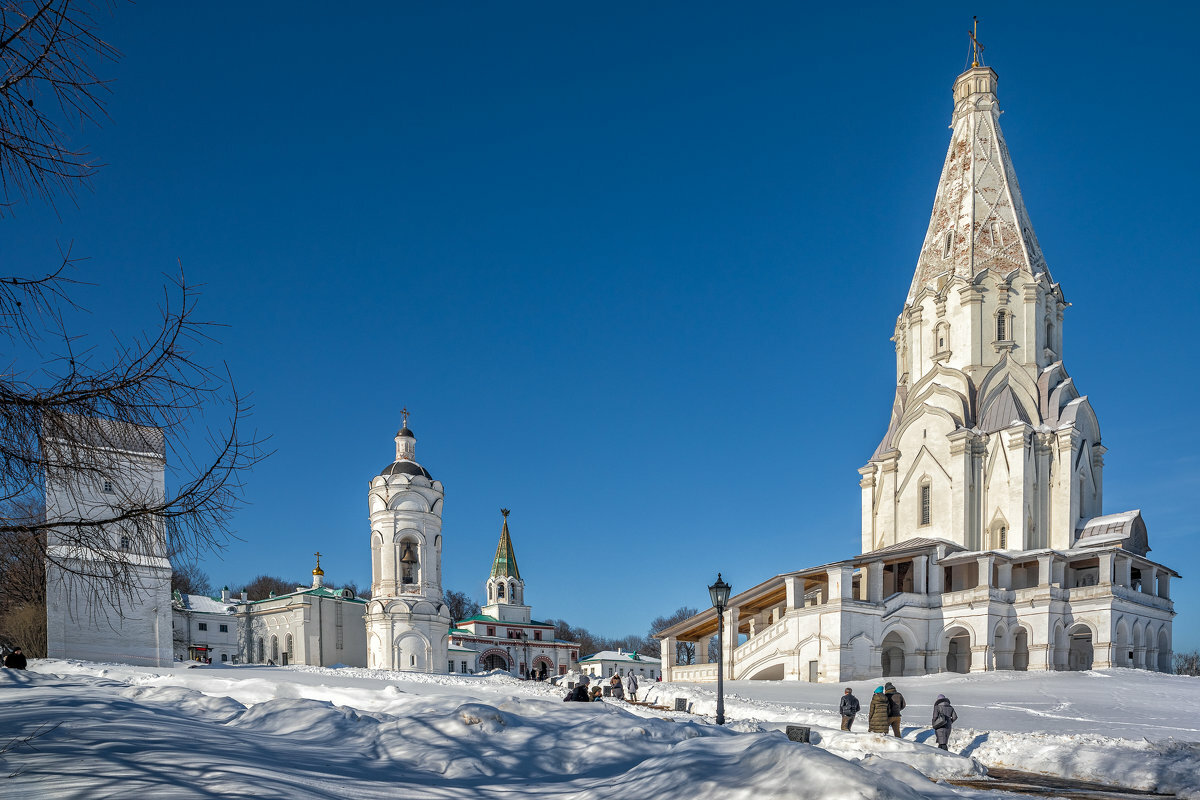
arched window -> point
(500, 590)
(275, 649)
(1002, 326)
(926, 503)
(408, 562)
(1049, 336)
(287, 645)
(948, 244)
(491, 593)
(260, 650)
(941, 337)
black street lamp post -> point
(719, 592)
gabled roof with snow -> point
(1127, 527)
(621, 655)
(204, 605)
(979, 221)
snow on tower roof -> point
(979, 221)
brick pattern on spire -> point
(979, 221)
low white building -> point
(984, 545)
(316, 626)
(607, 663)
(206, 628)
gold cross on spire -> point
(318, 555)
(505, 512)
(404, 414)
(976, 47)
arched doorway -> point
(892, 656)
(958, 652)
(1079, 653)
(1122, 646)
(1001, 655)
(1058, 655)
(1164, 651)
(1021, 650)
(494, 660)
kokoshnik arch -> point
(984, 545)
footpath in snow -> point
(302, 732)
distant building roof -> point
(621, 655)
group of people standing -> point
(884, 713)
(618, 689)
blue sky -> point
(632, 268)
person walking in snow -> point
(579, 694)
(944, 718)
(616, 691)
(631, 687)
(877, 714)
(895, 706)
(848, 707)
(15, 659)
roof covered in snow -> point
(621, 655)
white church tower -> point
(505, 589)
(108, 589)
(990, 444)
(408, 622)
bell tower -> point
(408, 622)
(505, 589)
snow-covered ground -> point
(302, 732)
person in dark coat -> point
(877, 714)
(15, 659)
(895, 706)
(616, 690)
(848, 707)
(579, 694)
(944, 718)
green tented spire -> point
(505, 563)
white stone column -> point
(1106, 567)
(841, 581)
(1164, 585)
(875, 582)
(1149, 574)
(985, 571)
(920, 574)
(1124, 571)
(667, 650)
(937, 576)
(1004, 576)
(795, 588)
(1045, 570)
(732, 618)
(702, 651)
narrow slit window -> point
(1002, 326)
(1003, 538)
(926, 504)
(948, 245)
